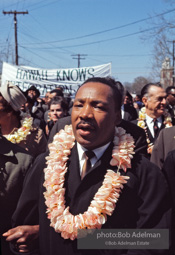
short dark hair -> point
(146, 88)
(129, 95)
(139, 96)
(168, 89)
(116, 86)
(59, 100)
(58, 92)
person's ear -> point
(145, 100)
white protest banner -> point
(48, 79)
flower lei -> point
(105, 199)
(22, 132)
(141, 123)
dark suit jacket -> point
(151, 138)
(143, 203)
(169, 171)
(137, 133)
(164, 144)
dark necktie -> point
(155, 127)
(87, 163)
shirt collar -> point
(149, 120)
(98, 151)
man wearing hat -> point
(34, 94)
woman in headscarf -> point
(17, 129)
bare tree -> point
(138, 84)
(162, 37)
(128, 86)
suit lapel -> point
(73, 179)
(81, 192)
(151, 138)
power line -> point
(110, 29)
(45, 5)
(15, 24)
(48, 60)
(100, 41)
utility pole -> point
(79, 57)
(173, 62)
(15, 25)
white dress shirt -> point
(150, 123)
(98, 153)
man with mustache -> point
(68, 190)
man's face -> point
(32, 94)
(171, 97)
(127, 100)
(46, 98)
(156, 102)
(94, 115)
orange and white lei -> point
(105, 199)
(22, 132)
(141, 123)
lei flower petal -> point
(22, 132)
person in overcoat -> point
(164, 144)
(14, 164)
(169, 172)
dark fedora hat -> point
(34, 89)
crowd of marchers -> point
(103, 160)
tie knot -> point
(154, 120)
(89, 154)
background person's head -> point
(170, 95)
(54, 93)
(154, 99)
(27, 107)
(96, 111)
(11, 100)
(128, 100)
(33, 92)
(46, 97)
(58, 108)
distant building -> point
(167, 73)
